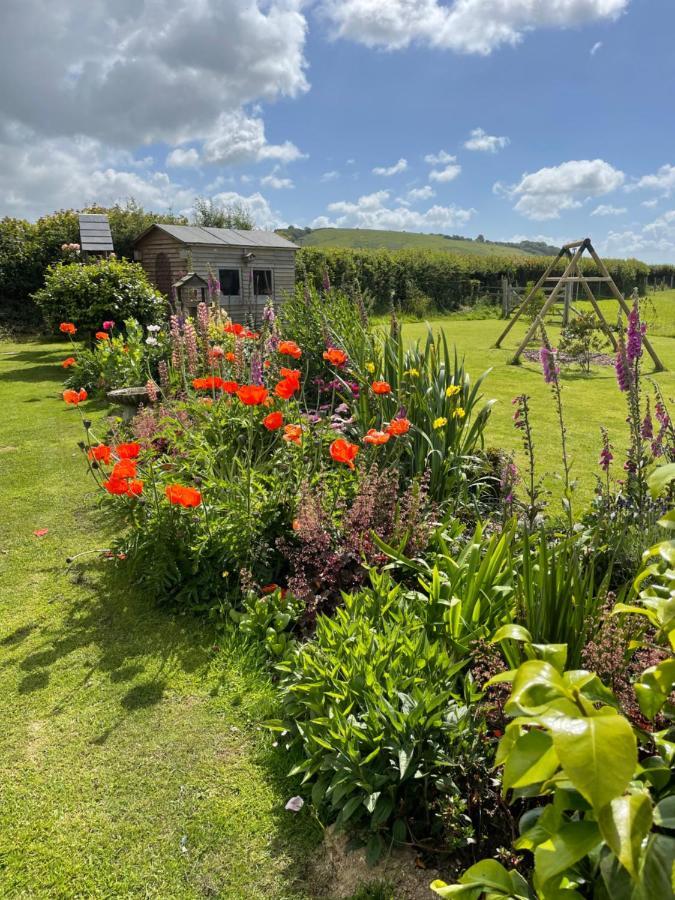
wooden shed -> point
(250, 266)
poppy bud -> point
(86, 423)
(69, 559)
(94, 465)
(81, 445)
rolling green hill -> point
(364, 238)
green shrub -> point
(111, 289)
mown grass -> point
(133, 763)
(590, 400)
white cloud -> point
(330, 176)
(596, 47)
(274, 181)
(180, 158)
(663, 180)
(371, 211)
(654, 242)
(239, 138)
(487, 143)
(388, 171)
(465, 26)
(447, 173)
(258, 206)
(606, 209)
(423, 193)
(544, 194)
(440, 158)
(650, 204)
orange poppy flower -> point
(234, 328)
(179, 495)
(293, 374)
(271, 588)
(252, 394)
(127, 451)
(381, 387)
(229, 387)
(102, 336)
(335, 357)
(135, 488)
(75, 397)
(343, 452)
(230, 356)
(211, 383)
(273, 421)
(67, 328)
(290, 348)
(376, 437)
(67, 363)
(117, 486)
(293, 433)
(125, 468)
(100, 453)
(286, 388)
(398, 427)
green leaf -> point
(511, 632)
(556, 654)
(570, 844)
(658, 869)
(537, 683)
(664, 813)
(489, 874)
(597, 754)
(661, 478)
(532, 760)
(624, 823)
(654, 687)
(465, 891)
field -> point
(368, 239)
(132, 760)
(590, 401)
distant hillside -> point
(365, 238)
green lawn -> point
(133, 764)
(590, 401)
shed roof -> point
(95, 233)
(215, 237)
(190, 277)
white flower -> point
(295, 804)
(152, 341)
(154, 328)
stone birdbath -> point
(129, 398)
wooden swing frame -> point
(572, 274)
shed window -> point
(262, 282)
(229, 282)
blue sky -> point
(517, 119)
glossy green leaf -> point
(536, 684)
(511, 632)
(624, 823)
(664, 813)
(532, 760)
(567, 846)
(597, 754)
(660, 478)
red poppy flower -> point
(127, 451)
(335, 357)
(216, 353)
(67, 363)
(100, 453)
(273, 421)
(252, 394)
(398, 427)
(344, 452)
(229, 387)
(293, 433)
(179, 495)
(271, 588)
(75, 397)
(376, 437)
(381, 387)
(211, 383)
(286, 388)
(234, 328)
(102, 336)
(125, 468)
(293, 374)
(116, 486)
(290, 348)
(251, 335)
(67, 328)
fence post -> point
(506, 296)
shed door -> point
(163, 276)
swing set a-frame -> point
(573, 275)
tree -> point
(211, 214)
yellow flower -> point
(440, 422)
(452, 390)
(412, 372)
(370, 366)
(458, 413)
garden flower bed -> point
(324, 492)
